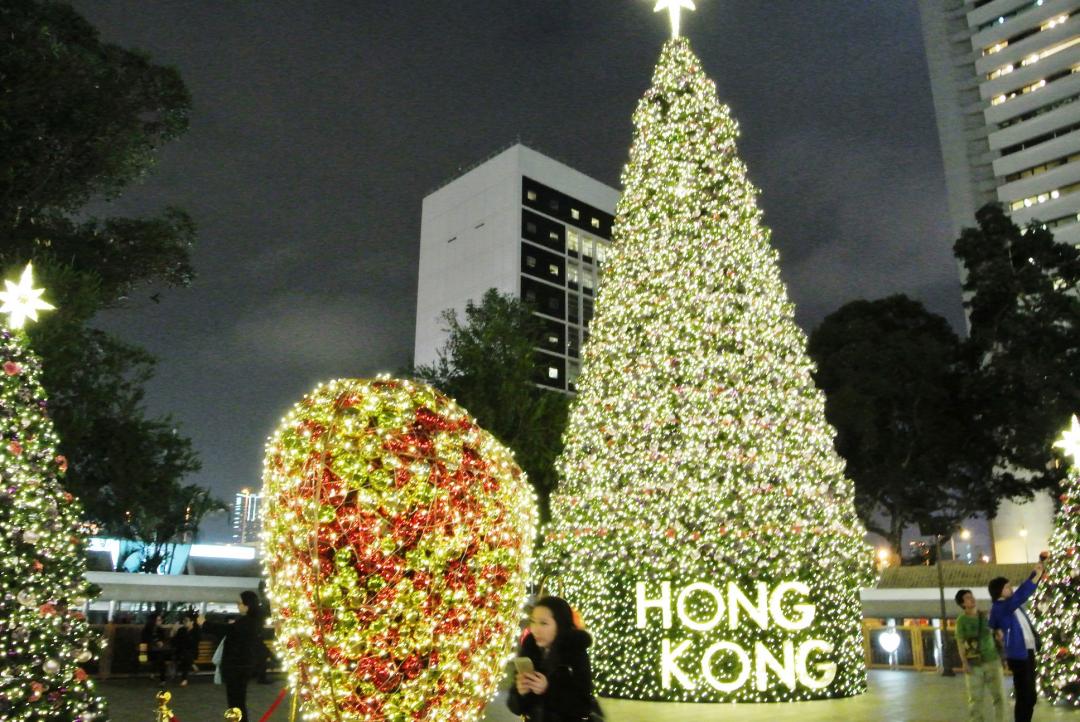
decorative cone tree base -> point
(704, 528)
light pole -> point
(946, 668)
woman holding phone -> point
(553, 679)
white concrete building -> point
(1005, 76)
(526, 225)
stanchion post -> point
(233, 714)
(163, 713)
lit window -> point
(572, 274)
(575, 214)
(531, 195)
(601, 253)
(553, 340)
(553, 270)
(998, 100)
(530, 261)
(572, 241)
(595, 222)
(553, 235)
(553, 373)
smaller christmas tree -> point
(44, 636)
(1058, 600)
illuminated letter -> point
(669, 664)
(664, 603)
(744, 667)
(806, 611)
(764, 661)
(827, 670)
(684, 617)
(759, 612)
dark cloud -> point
(319, 126)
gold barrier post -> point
(233, 715)
(163, 713)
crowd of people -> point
(240, 657)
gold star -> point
(674, 8)
(22, 301)
(1070, 440)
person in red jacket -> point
(560, 687)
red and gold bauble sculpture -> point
(397, 536)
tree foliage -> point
(487, 365)
(889, 369)
(80, 120)
(1022, 356)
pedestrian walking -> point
(239, 650)
(1018, 636)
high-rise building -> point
(529, 226)
(1005, 76)
(246, 524)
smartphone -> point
(523, 665)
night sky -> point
(319, 126)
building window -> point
(530, 261)
(530, 228)
(553, 270)
(575, 214)
(553, 204)
(572, 242)
(531, 195)
(553, 373)
(595, 222)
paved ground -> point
(893, 697)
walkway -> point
(893, 697)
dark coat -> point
(186, 643)
(242, 645)
(570, 690)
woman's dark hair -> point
(561, 613)
(251, 601)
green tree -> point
(889, 370)
(701, 500)
(487, 365)
(83, 119)
(1022, 356)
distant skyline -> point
(318, 127)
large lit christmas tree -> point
(43, 635)
(1058, 602)
(704, 527)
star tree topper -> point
(22, 301)
(1070, 440)
(674, 8)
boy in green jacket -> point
(981, 661)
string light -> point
(704, 527)
(45, 638)
(1057, 598)
(397, 538)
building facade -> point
(246, 523)
(1005, 76)
(526, 225)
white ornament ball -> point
(51, 666)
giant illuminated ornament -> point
(703, 527)
(397, 541)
